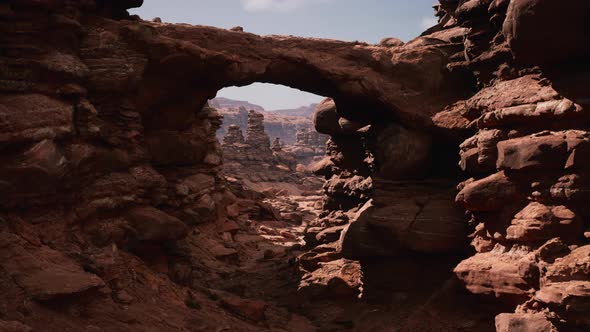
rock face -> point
(522, 128)
(114, 214)
(524, 197)
(96, 191)
(526, 21)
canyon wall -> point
(521, 138)
(98, 202)
(111, 186)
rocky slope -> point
(115, 216)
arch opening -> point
(376, 151)
(267, 134)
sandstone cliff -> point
(521, 133)
(114, 215)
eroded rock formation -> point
(114, 215)
(528, 129)
(283, 124)
(309, 148)
(253, 158)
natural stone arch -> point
(408, 83)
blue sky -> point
(363, 20)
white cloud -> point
(277, 5)
(428, 22)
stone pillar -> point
(256, 136)
(234, 135)
(276, 145)
(302, 137)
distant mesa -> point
(283, 124)
(226, 103)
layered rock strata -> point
(111, 183)
(526, 159)
(524, 131)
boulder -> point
(391, 42)
(488, 194)
(38, 172)
(253, 310)
(152, 224)
(532, 115)
(336, 279)
(524, 322)
(402, 153)
(503, 273)
(571, 297)
(420, 216)
(542, 32)
(330, 234)
(533, 152)
(360, 239)
(574, 266)
(480, 153)
(538, 222)
(326, 118)
(528, 89)
(43, 273)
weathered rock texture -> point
(110, 188)
(99, 195)
(525, 199)
(525, 129)
(526, 155)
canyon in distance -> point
(442, 184)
